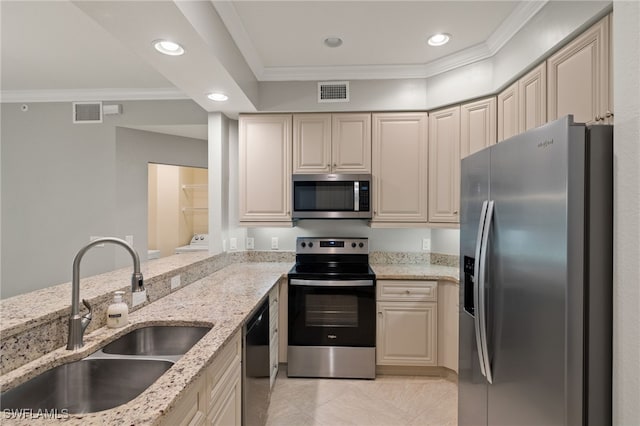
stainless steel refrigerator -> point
(536, 279)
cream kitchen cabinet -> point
(332, 143)
(523, 105)
(400, 167)
(508, 112)
(216, 397)
(407, 323)
(273, 333)
(477, 125)
(579, 77)
(444, 165)
(448, 319)
(265, 168)
(532, 99)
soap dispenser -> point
(118, 311)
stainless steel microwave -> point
(331, 196)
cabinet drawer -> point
(399, 290)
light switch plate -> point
(175, 282)
(274, 243)
(138, 298)
(129, 239)
(233, 243)
(250, 243)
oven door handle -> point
(332, 283)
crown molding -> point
(514, 23)
(505, 32)
(71, 95)
(377, 72)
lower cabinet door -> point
(191, 409)
(226, 409)
(407, 333)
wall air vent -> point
(333, 91)
(87, 112)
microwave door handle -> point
(476, 283)
(356, 196)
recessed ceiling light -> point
(168, 47)
(333, 41)
(218, 97)
(439, 39)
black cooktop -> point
(332, 259)
(346, 271)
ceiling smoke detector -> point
(333, 42)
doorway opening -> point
(177, 209)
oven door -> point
(332, 312)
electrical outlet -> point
(233, 243)
(249, 243)
(129, 239)
(175, 282)
(95, 237)
(138, 298)
(274, 243)
(426, 244)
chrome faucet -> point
(77, 323)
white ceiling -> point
(62, 50)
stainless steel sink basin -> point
(157, 341)
(86, 386)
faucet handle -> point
(86, 318)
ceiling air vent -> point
(87, 112)
(333, 91)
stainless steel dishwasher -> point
(255, 377)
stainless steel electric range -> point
(332, 303)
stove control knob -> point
(310, 245)
(361, 245)
(303, 244)
(353, 245)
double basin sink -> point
(112, 376)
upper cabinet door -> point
(312, 143)
(532, 94)
(351, 143)
(477, 125)
(508, 112)
(265, 167)
(444, 165)
(400, 162)
(579, 77)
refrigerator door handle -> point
(476, 292)
(482, 317)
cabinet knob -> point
(455, 212)
(335, 165)
(608, 114)
(275, 331)
(407, 292)
(598, 118)
(380, 313)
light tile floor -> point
(385, 401)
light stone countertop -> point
(223, 299)
(416, 272)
